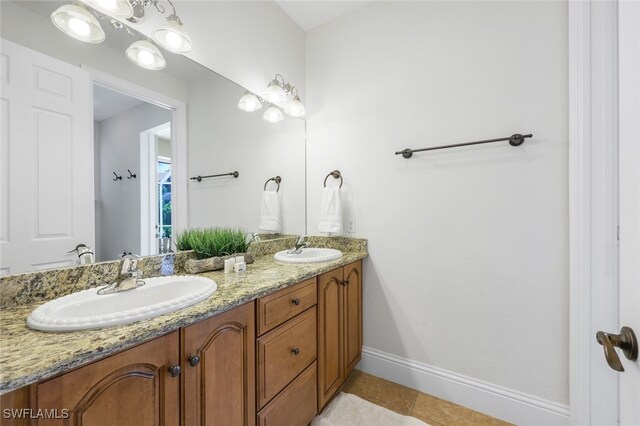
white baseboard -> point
(497, 401)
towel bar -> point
(199, 178)
(514, 140)
(276, 179)
(336, 175)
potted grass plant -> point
(212, 247)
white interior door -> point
(47, 161)
(629, 109)
(149, 229)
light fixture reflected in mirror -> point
(146, 55)
(273, 114)
(81, 23)
(249, 102)
(115, 8)
(77, 22)
(275, 91)
(294, 108)
(172, 36)
(278, 92)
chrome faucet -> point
(129, 276)
(299, 245)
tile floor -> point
(410, 402)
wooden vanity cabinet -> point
(339, 328)
(219, 370)
(133, 387)
(275, 362)
(287, 356)
(203, 374)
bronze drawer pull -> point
(174, 370)
(194, 360)
(295, 351)
(345, 283)
(296, 301)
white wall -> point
(164, 147)
(119, 202)
(223, 139)
(37, 32)
(468, 266)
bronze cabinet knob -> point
(295, 351)
(296, 301)
(174, 370)
(194, 360)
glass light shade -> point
(275, 93)
(145, 54)
(78, 22)
(115, 8)
(172, 36)
(273, 115)
(249, 102)
(295, 108)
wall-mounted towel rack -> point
(276, 179)
(199, 178)
(514, 140)
(336, 175)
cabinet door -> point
(352, 316)
(13, 403)
(220, 388)
(330, 335)
(133, 387)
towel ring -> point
(336, 175)
(276, 179)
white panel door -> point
(47, 160)
(629, 89)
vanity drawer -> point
(296, 405)
(284, 353)
(283, 305)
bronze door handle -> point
(626, 341)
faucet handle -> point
(301, 239)
(129, 263)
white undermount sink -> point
(87, 309)
(308, 255)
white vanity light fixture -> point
(77, 22)
(172, 36)
(273, 114)
(145, 54)
(249, 102)
(115, 8)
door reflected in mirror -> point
(132, 138)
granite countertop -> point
(28, 356)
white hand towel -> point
(270, 220)
(331, 211)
